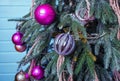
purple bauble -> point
(17, 38)
(45, 14)
(64, 44)
(37, 72)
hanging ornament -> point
(20, 48)
(20, 76)
(17, 38)
(45, 14)
(64, 44)
(27, 76)
(37, 72)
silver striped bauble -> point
(64, 44)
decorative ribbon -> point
(70, 78)
(35, 43)
(31, 12)
(32, 64)
(116, 75)
(60, 61)
(96, 77)
(115, 6)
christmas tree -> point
(69, 40)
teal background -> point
(8, 55)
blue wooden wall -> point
(8, 55)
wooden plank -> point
(7, 77)
(15, 2)
(10, 68)
(13, 11)
(11, 57)
(7, 46)
(6, 35)
(5, 24)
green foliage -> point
(68, 65)
(103, 11)
(90, 64)
(80, 63)
(83, 62)
(115, 59)
(52, 62)
(108, 52)
(103, 74)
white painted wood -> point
(6, 35)
(13, 11)
(8, 68)
(11, 68)
(7, 77)
(11, 57)
(5, 25)
(15, 2)
(8, 55)
(7, 46)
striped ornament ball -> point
(64, 44)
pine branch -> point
(80, 64)
(108, 53)
(90, 64)
(19, 19)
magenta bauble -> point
(45, 14)
(20, 48)
(37, 72)
(17, 38)
(64, 44)
(27, 76)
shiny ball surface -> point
(64, 44)
(27, 76)
(20, 48)
(17, 38)
(45, 14)
(20, 76)
(37, 72)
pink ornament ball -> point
(64, 44)
(37, 72)
(45, 14)
(27, 76)
(17, 38)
